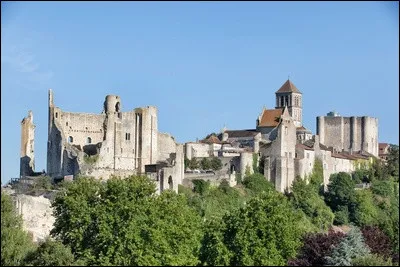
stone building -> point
(349, 133)
(112, 143)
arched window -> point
(89, 140)
(70, 139)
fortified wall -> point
(111, 143)
(349, 134)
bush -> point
(371, 260)
(316, 246)
(51, 253)
(257, 183)
(377, 241)
(201, 186)
(352, 246)
(341, 216)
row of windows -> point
(71, 140)
(89, 140)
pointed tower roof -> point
(288, 87)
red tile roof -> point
(211, 140)
(270, 117)
(301, 146)
(288, 87)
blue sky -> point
(203, 64)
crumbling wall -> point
(36, 212)
(27, 160)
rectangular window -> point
(127, 136)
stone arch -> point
(170, 183)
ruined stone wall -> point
(36, 212)
(81, 126)
(169, 150)
(27, 157)
(246, 163)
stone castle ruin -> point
(111, 143)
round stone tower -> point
(112, 104)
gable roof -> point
(268, 117)
(241, 133)
(211, 140)
(288, 87)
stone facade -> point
(111, 143)
(349, 133)
(27, 160)
(279, 153)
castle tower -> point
(27, 160)
(289, 96)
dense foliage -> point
(261, 233)
(122, 222)
(306, 198)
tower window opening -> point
(89, 140)
(70, 139)
(56, 115)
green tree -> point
(393, 161)
(123, 222)
(15, 242)
(340, 191)
(205, 164)
(193, 163)
(305, 197)
(350, 248)
(216, 163)
(51, 253)
(255, 163)
(261, 233)
(365, 209)
(201, 186)
(317, 175)
(257, 183)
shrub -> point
(316, 246)
(371, 260)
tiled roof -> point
(270, 117)
(241, 133)
(302, 146)
(302, 129)
(288, 87)
(212, 140)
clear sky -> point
(203, 64)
